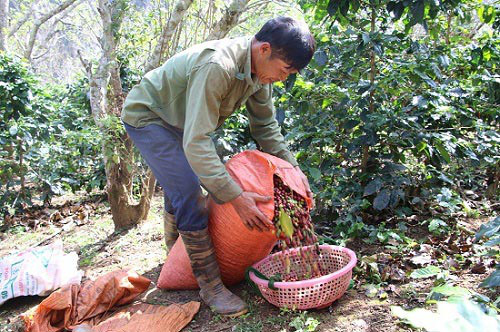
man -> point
(171, 113)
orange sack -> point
(236, 247)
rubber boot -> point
(170, 230)
(206, 270)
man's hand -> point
(306, 184)
(246, 207)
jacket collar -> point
(247, 66)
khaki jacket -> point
(196, 90)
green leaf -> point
(280, 115)
(493, 280)
(425, 272)
(372, 187)
(434, 32)
(477, 55)
(366, 38)
(448, 290)
(382, 200)
(486, 13)
(290, 82)
(493, 242)
(363, 87)
(489, 229)
(13, 130)
(444, 61)
(445, 179)
(333, 5)
(370, 290)
(344, 7)
(486, 53)
(436, 224)
(462, 316)
(321, 58)
(383, 237)
(315, 173)
(396, 196)
(421, 146)
(444, 153)
(286, 223)
(422, 75)
(355, 4)
(350, 124)
(417, 11)
(397, 8)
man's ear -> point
(265, 49)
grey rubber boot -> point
(206, 270)
(170, 230)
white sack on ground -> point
(37, 271)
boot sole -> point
(228, 315)
(237, 314)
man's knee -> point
(191, 211)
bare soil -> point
(142, 248)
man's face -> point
(271, 69)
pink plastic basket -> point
(312, 293)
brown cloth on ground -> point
(90, 303)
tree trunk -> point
(106, 98)
(125, 213)
(106, 107)
(493, 182)
(167, 32)
(366, 149)
(106, 104)
(229, 20)
(22, 172)
(448, 28)
(4, 22)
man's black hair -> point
(290, 40)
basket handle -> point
(271, 280)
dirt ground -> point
(100, 250)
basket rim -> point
(309, 282)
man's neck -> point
(253, 53)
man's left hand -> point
(306, 185)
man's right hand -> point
(246, 207)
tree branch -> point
(23, 20)
(4, 21)
(36, 57)
(229, 20)
(38, 23)
(366, 149)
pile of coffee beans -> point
(294, 229)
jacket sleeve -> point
(207, 84)
(264, 126)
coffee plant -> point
(48, 144)
(390, 113)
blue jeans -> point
(162, 150)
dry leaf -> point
(479, 268)
(397, 274)
(421, 259)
